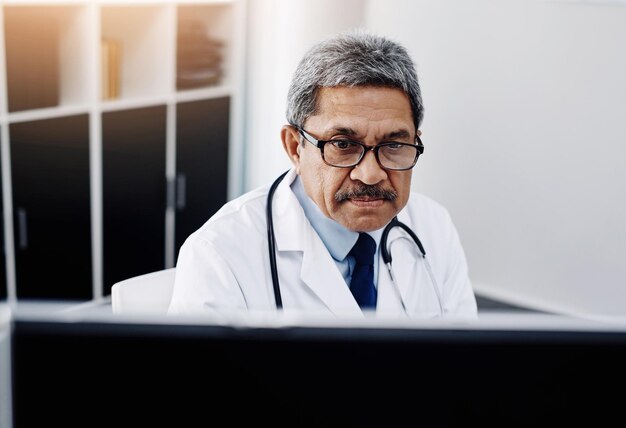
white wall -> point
(525, 142)
(279, 34)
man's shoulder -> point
(424, 208)
(241, 215)
(418, 199)
(252, 200)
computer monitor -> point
(504, 370)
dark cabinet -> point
(51, 185)
(133, 193)
(3, 262)
(51, 206)
(202, 136)
(135, 187)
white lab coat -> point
(224, 265)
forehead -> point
(363, 107)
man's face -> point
(370, 115)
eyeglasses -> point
(343, 153)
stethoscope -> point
(385, 253)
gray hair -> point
(352, 59)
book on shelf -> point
(110, 66)
(198, 56)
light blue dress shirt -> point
(337, 239)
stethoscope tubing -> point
(271, 240)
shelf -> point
(100, 136)
(204, 48)
(203, 93)
(173, 50)
(46, 56)
(125, 104)
(47, 113)
(109, 2)
(143, 34)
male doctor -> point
(354, 111)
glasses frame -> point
(321, 143)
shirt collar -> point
(337, 239)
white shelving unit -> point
(40, 84)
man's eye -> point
(343, 144)
(394, 146)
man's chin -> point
(366, 223)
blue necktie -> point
(362, 282)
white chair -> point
(149, 293)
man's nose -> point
(368, 171)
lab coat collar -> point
(290, 223)
(319, 272)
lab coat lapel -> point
(318, 271)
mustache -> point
(365, 190)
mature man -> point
(318, 240)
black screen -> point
(105, 374)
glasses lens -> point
(342, 152)
(397, 155)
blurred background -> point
(125, 125)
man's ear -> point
(291, 141)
